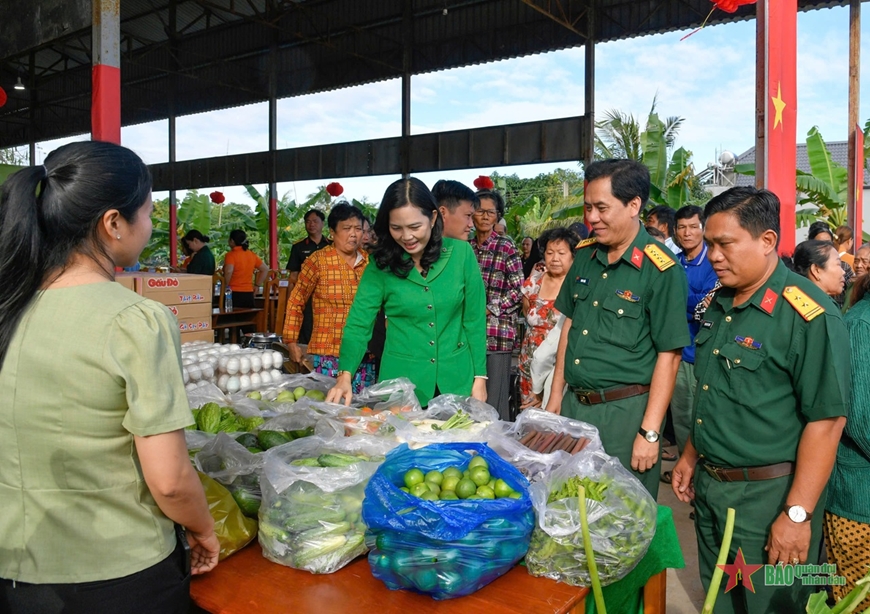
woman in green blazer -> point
(433, 296)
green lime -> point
(466, 473)
(485, 492)
(515, 495)
(491, 482)
(455, 472)
(465, 488)
(502, 489)
(478, 461)
(434, 476)
(433, 486)
(420, 489)
(450, 482)
(412, 477)
(429, 496)
(480, 476)
(405, 489)
(448, 495)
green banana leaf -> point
(823, 166)
(655, 151)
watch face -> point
(652, 436)
(797, 514)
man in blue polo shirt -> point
(689, 226)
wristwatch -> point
(650, 436)
(797, 513)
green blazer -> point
(436, 326)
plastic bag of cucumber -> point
(312, 496)
(446, 543)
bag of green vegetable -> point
(390, 395)
(312, 496)
(230, 463)
(621, 516)
(444, 548)
(448, 418)
(504, 438)
(233, 530)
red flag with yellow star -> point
(777, 58)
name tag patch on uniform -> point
(582, 280)
(748, 342)
(628, 295)
(706, 324)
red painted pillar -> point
(858, 188)
(776, 109)
(106, 75)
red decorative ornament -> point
(483, 183)
(334, 189)
(217, 197)
(730, 6)
(3, 97)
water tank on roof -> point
(727, 159)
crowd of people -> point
(639, 313)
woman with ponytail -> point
(239, 266)
(94, 469)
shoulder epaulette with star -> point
(804, 305)
(586, 243)
(658, 257)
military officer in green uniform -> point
(624, 300)
(772, 364)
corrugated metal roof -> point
(219, 56)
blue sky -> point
(708, 79)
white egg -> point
(207, 371)
(190, 386)
(202, 354)
(266, 360)
(265, 378)
(194, 372)
(233, 365)
(185, 375)
(256, 363)
(186, 360)
(235, 347)
(276, 375)
(256, 380)
(244, 365)
(222, 382)
(213, 361)
(277, 360)
(233, 384)
(222, 363)
(244, 383)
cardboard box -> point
(192, 318)
(175, 288)
(128, 280)
(202, 335)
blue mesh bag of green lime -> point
(447, 519)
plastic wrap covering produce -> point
(292, 388)
(390, 394)
(448, 418)
(444, 548)
(312, 498)
(540, 440)
(233, 530)
(621, 515)
(228, 462)
(371, 411)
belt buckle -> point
(712, 472)
(583, 397)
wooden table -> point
(233, 320)
(246, 583)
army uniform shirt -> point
(765, 369)
(622, 314)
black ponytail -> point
(239, 237)
(52, 212)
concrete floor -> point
(685, 593)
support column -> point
(106, 75)
(273, 162)
(776, 110)
(856, 153)
(407, 42)
(588, 145)
(173, 198)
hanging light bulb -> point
(19, 85)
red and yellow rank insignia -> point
(768, 302)
(805, 306)
(637, 257)
(658, 257)
(586, 243)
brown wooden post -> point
(856, 167)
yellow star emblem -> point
(779, 105)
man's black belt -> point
(594, 397)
